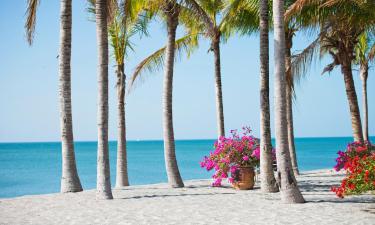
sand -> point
(197, 203)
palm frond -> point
(30, 23)
(301, 62)
(155, 61)
(371, 53)
(240, 16)
(202, 15)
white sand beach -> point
(197, 203)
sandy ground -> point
(197, 203)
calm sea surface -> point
(35, 168)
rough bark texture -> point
(69, 181)
(174, 177)
(346, 69)
(103, 185)
(122, 164)
(290, 192)
(364, 75)
(218, 87)
(289, 100)
(268, 181)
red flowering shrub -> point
(359, 163)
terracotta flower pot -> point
(244, 179)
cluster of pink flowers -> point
(232, 153)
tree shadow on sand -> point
(323, 193)
(174, 195)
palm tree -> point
(364, 55)
(290, 192)
(122, 28)
(169, 10)
(289, 33)
(126, 22)
(268, 182)
(103, 185)
(341, 24)
(69, 181)
(119, 41)
(207, 12)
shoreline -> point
(150, 184)
(196, 203)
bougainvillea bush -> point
(231, 153)
(359, 163)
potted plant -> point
(234, 158)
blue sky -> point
(29, 85)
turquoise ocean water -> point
(35, 168)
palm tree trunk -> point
(103, 185)
(69, 181)
(122, 165)
(289, 100)
(218, 87)
(268, 182)
(289, 118)
(364, 75)
(346, 68)
(290, 192)
(174, 177)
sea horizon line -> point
(150, 140)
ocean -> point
(35, 168)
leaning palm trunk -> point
(364, 75)
(289, 100)
(289, 118)
(290, 192)
(218, 87)
(268, 182)
(69, 181)
(346, 68)
(174, 177)
(121, 170)
(103, 185)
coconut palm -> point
(364, 55)
(126, 22)
(289, 33)
(205, 25)
(169, 11)
(69, 181)
(290, 192)
(208, 12)
(268, 181)
(341, 24)
(103, 185)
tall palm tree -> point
(126, 22)
(364, 55)
(341, 24)
(199, 17)
(268, 181)
(103, 185)
(290, 192)
(69, 181)
(208, 12)
(289, 33)
(117, 33)
(171, 11)
(168, 10)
